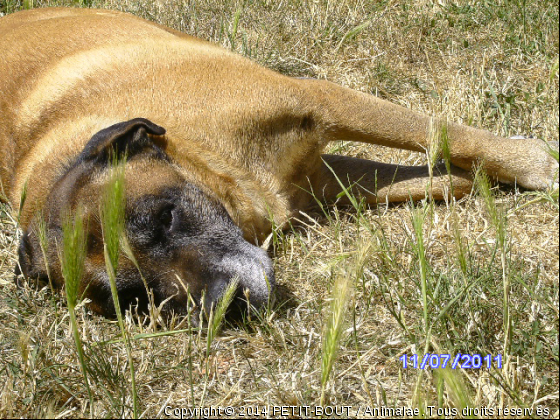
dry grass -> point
(489, 64)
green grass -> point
(477, 275)
(72, 262)
(333, 329)
(112, 220)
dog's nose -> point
(259, 276)
(254, 271)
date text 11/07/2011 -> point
(458, 361)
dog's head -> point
(182, 238)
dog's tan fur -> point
(248, 136)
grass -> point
(72, 261)
(112, 219)
(473, 276)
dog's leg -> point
(344, 114)
(382, 182)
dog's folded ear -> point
(127, 137)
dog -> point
(218, 149)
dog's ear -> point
(31, 262)
(128, 137)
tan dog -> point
(240, 144)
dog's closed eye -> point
(167, 216)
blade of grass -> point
(456, 388)
(72, 261)
(418, 217)
(43, 244)
(498, 220)
(112, 218)
(215, 321)
(419, 247)
(352, 33)
(217, 315)
(333, 330)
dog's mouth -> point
(244, 285)
(234, 306)
(206, 282)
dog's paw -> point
(540, 166)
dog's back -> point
(77, 71)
